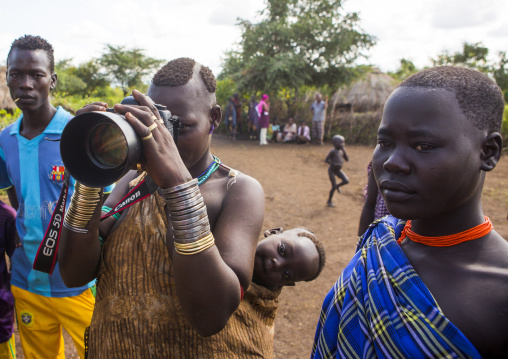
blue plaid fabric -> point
(380, 308)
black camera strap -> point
(144, 189)
(47, 254)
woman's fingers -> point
(96, 106)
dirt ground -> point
(296, 185)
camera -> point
(98, 148)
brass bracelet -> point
(84, 201)
(195, 247)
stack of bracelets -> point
(191, 228)
(83, 203)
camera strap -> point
(47, 254)
(144, 189)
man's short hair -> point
(29, 42)
(178, 72)
(480, 98)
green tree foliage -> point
(128, 67)
(298, 42)
(406, 69)
(473, 56)
(94, 78)
(68, 81)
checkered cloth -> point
(380, 308)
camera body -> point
(98, 148)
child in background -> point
(336, 159)
(282, 259)
(7, 247)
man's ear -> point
(491, 151)
(215, 116)
(54, 80)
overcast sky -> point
(204, 29)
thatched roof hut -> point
(6, 101)
(357, 108)
(369, 93)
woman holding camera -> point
(173, 268)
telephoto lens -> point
(98, 147)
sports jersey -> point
(34, 167)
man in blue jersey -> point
(32, 170)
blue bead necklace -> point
(211, 169)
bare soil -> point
(296, 185)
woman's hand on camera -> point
(95, 106)
(160, 155)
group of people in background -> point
(261, 126)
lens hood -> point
(98, 148)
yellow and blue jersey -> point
(34, 167)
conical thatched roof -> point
(6, 101)
(369, 93)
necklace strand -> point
(450, 240)
(211, 169)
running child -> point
(336, 159)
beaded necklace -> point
(211, 169)
(447, 241)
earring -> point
(213, 128)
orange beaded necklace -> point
(447, 241)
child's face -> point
(428, 157)
(284, 259)
(338, 143)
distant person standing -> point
(238, 108)
(264, 119)
(318, 109)
(231, 118)
(7, 247)
(253, 123)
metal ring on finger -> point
(146, 138)
(152, 126)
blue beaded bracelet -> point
(107, 210)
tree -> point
(95, 80)
(299, 42)
(127, 67)
(473, 56)
(68, 82)
(406, 69)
